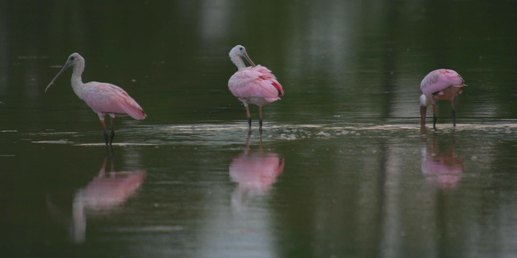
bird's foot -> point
(454, 118)
(112, 136)
(106, 138)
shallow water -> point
(341, 168)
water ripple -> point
(233, 133)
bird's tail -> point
(134, 110)
(136, 113)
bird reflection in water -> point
(443, 169)
(255, 171)
(106, 191)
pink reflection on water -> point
(443, 169)
(255, 171)
(106, 191)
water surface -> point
(341, 168)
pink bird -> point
(103, 98)
(441, 84)
(254, 84)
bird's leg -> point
(453, 113)
(454, 118)
(103, 124)
(260, 117)
(248, 115)
(423, 113)
(434, 116)
(112, 134)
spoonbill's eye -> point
(241, 48)
(72, 58)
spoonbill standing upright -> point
(440, 84)
(253, 84)
(103, 98)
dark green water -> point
(341, 169)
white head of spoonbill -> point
(75, 60)
(239, 56)
(424, 100)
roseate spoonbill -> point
(103, 98)
(440, 84)
(253, 84)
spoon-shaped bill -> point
(248, 59)
(66, 65)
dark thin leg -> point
(106, 136)
(260, 117)
(453, 113)
(454, 118)
(248, 115)
(112, 134)
(435, 118)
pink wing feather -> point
(439, 80)
(255, 82)
(109, 98)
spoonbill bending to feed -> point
(254, 84)
(441, 84)
(103, 98)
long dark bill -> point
(248, 60)
(66, 65)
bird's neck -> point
(238, 62)
(77, 81)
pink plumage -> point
(255, 85)
(439, 80)
(105, 98)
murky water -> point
(340, 170)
